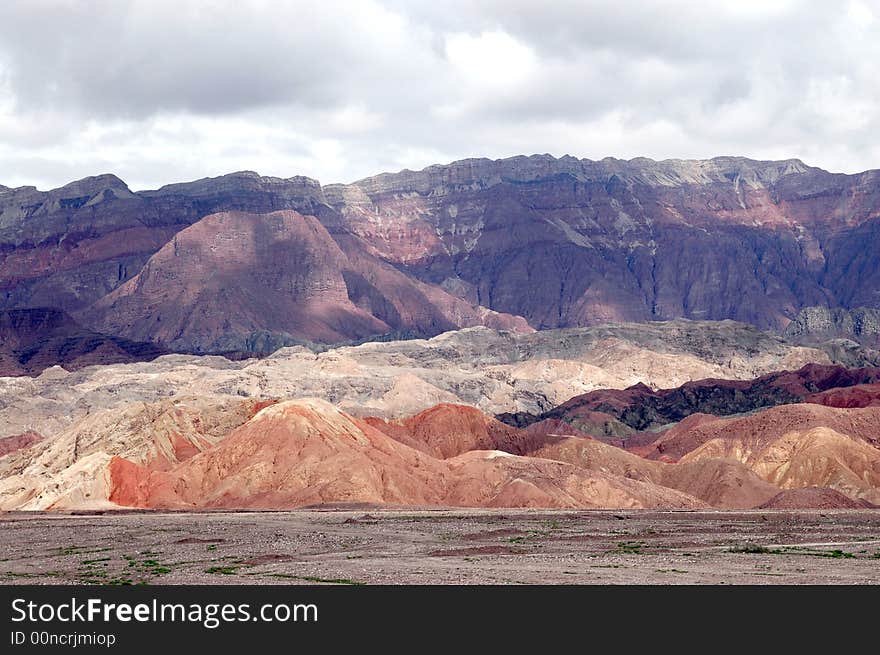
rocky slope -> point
(494, 371)
(641, 408)
(32, 340)
(766, 426)
(817, 456)
(232, 279)
(18, 442)
(70, 469)
(815, 324)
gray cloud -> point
(162, 91)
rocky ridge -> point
(495, 371)
(557, 242)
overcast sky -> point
(159, 91)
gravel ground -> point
(376, 546)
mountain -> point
(451, 430)
(298, 453)
(556, 242)
(305, 452)
(32, 340)
(567, 242)
(231, 278)
(69, 247)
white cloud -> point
(160, 91)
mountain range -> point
(525, 243)
(191, 453)
(525, 332)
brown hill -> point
(19, 442)
(287, 280)
(449, 430)
(718, 482)
(641, 407)
(497, 479)
(455, 429)
(305, 452)
(861, 395)
(814, 498)
(806, 457)
(768, 425)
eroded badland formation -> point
(529, 332)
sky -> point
(159, 92)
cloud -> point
(160, 91)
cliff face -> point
(554, 242)
(571, 242)
(820, 323)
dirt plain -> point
(370, 545)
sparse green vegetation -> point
(222, 570)
(629, 547)
(147, 566)
(78, 550)
(89, 562)
(755, 549)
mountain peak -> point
(92, 186)
(238, 180)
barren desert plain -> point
(371, 545)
